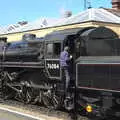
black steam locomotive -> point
(30, 70)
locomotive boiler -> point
(30, 70)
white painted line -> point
(22, 114)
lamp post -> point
(85, 4)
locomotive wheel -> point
(57, 101)
(25, 94)
(3, 89)
(47, 101)
(29, 93)
(1, 81)
(52, 101)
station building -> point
(109, 18)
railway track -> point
(39, 111)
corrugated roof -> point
(37, 24)
(40, 23)
(91, 15)
(98, 14)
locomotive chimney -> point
(116, 4)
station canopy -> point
(93, 14)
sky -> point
(13, 11)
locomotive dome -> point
(28, 37)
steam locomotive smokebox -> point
(28, 37)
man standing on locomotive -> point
(65, 62)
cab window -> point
(49, 49)
(53, 50)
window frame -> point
(52, 55)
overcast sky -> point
(13, 11)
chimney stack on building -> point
(66, 14)
(116, 4)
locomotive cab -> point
(54, 44)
